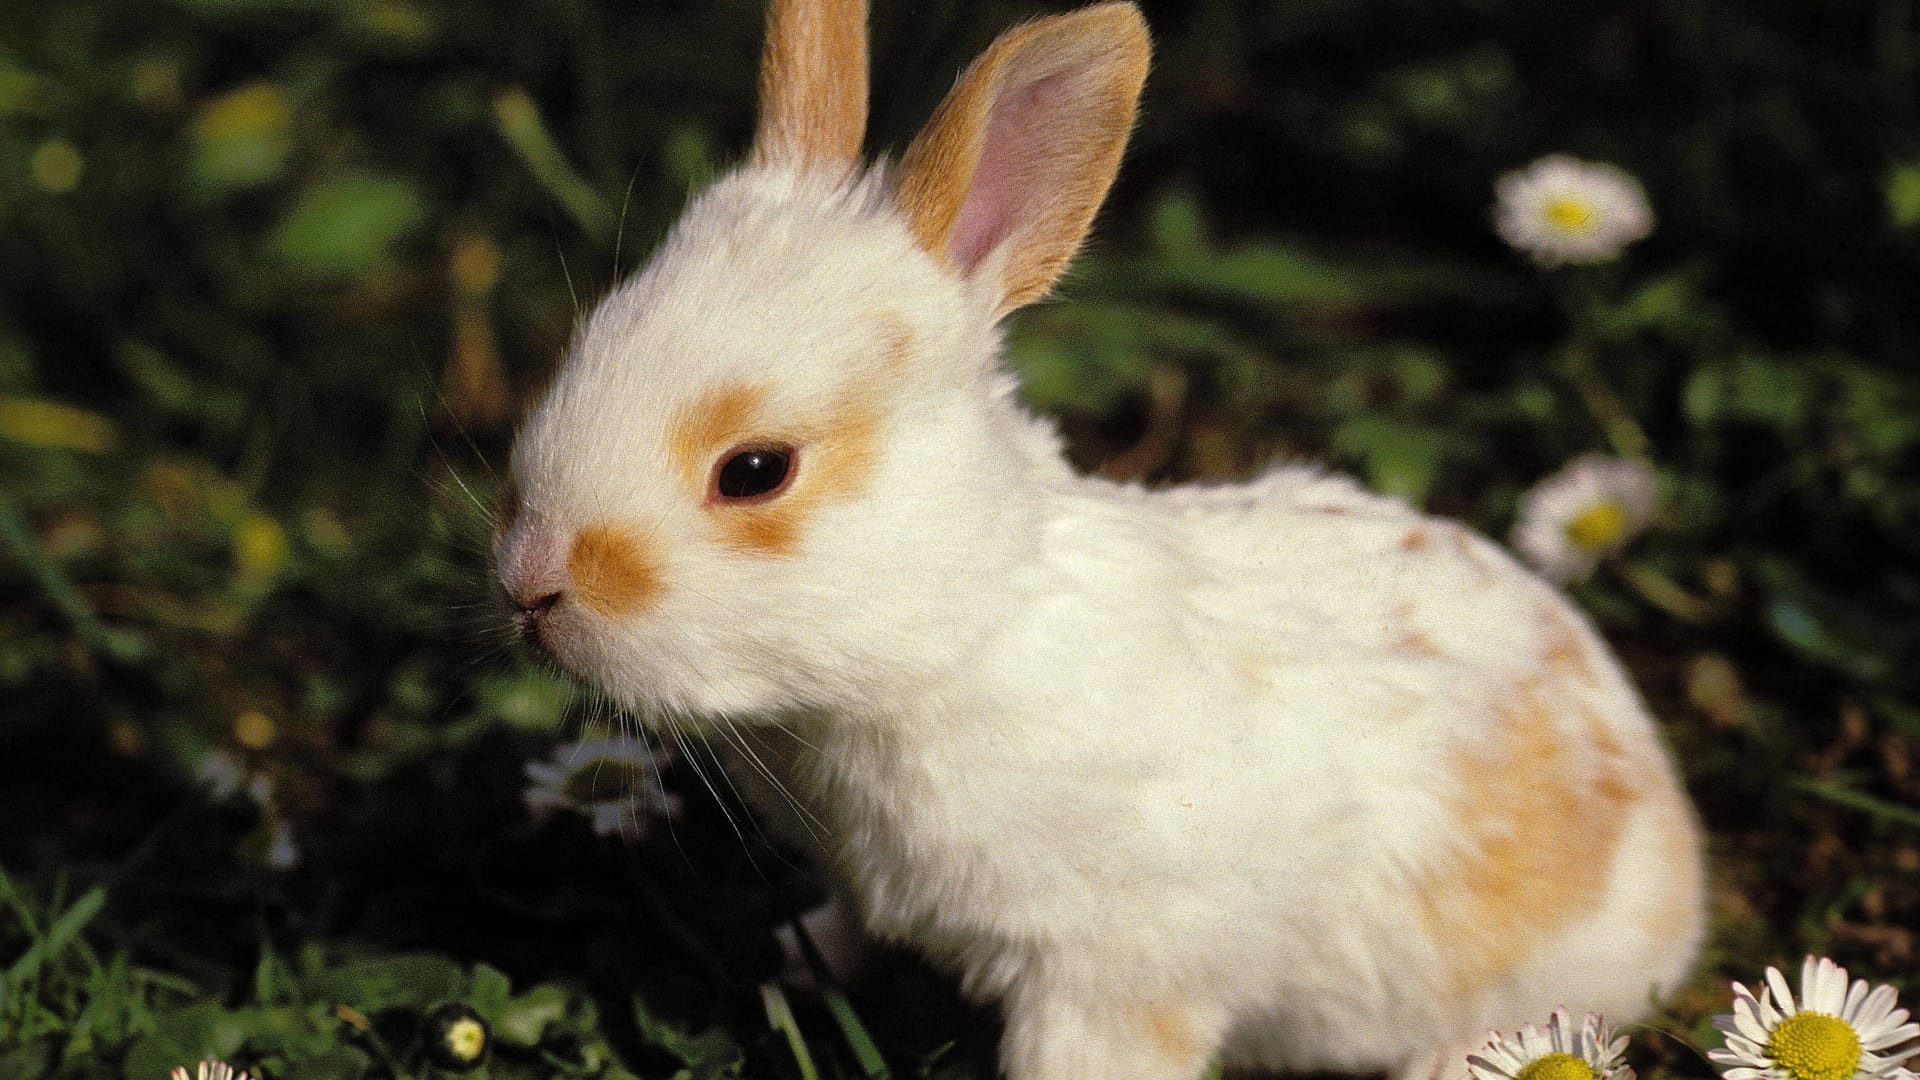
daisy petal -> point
(1781, 993)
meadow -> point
(277, 277)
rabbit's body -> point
(1458, 822)
(1280, 772)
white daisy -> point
(208, 1070)
(1563, 210)
(1588, 511)
(614, 783)
(1562, 1052)
(1837, 1030)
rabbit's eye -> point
(750, 473)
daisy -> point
(614, 783)
(1561, 1052)
(1563, 210)
(1836, 1031)
(209, 1070)
(456, 1036)
(1584, 513)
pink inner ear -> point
(1012, 170)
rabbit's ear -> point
(813, 84)
(1009, 171)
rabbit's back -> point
(1462, 766)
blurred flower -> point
(224, 775)
(1561, 1052)
(209, 1070)
(456, 1037)
(259, 550)
(242, 137)
(615, 783)
(1584, 513)
(57, 166)
(1837, 1032)
(1563, 210)
(272, 843)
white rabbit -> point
(1282, 774)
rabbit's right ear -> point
(1011, 168)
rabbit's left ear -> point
(813, 84)
(1008, 173)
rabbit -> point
(1280, 774)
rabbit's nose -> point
(531, 610)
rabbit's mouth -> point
(531, 621)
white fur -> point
(1101, 751)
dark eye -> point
(749, 473)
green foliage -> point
(277, 275)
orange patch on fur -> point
(767, 529)
(1417, 539)
(1169, 1033)
(612, 572)
(1470, 551)
(1411, 642)
(1566, 654)
(1538, 815)
(714, 421)
(833, 463)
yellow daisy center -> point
(1569, 214)
(466, 1039)
(1598, 527)
(1556, 1067)
(1815, 1046)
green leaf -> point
(1754, 388)
(523, 1020)
(414, 979)
(337, 1062)
(1400, 459)
(490, 991)
(1903, 195)
(183, 1036)
(349, 224)
(1178, 227)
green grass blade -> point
(519, 121)
(780, 1015)
(1841, 795)
(59, 935)
(59, 591)
(865, 1050)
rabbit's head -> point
(781, 467)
